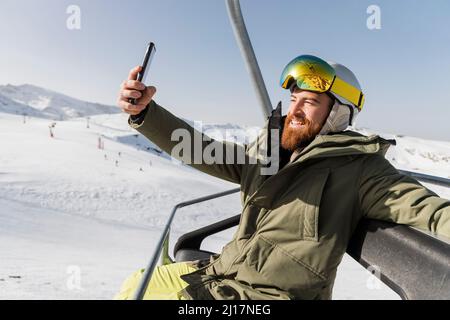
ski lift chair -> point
(414, 264)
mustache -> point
(297, 117)
(293, 138)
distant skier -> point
(100, 143)
(296, 222)
(117, 163)
(51, 128)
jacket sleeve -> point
(385, 194)
(183, 142)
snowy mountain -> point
(43, 103)
(96, 195)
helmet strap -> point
(351, 115)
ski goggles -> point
(314, 74)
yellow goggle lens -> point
(314, 74)
(311, 73)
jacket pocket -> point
(309, 212)
(295, 213)
(269, 265)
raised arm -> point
(223, 160)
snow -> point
(76, 220)
(41, 246)
(39, 102)
(419, 155)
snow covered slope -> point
(8, 105)
(40, 102)
(64, 202)
(122, 182)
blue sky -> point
(404, 67)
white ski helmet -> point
(343, 113)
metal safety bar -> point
(441, 181)
(162, 241)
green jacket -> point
(296, 224)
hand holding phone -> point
(148, 57)
(134, 95)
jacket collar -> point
(332, 144)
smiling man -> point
(307, 114)
(297, 222)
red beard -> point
(294, 138)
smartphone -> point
(149, 53)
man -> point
(296, 223)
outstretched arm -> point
(385, 194)
(182, 141)
(221, 159)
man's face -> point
(306, 116)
